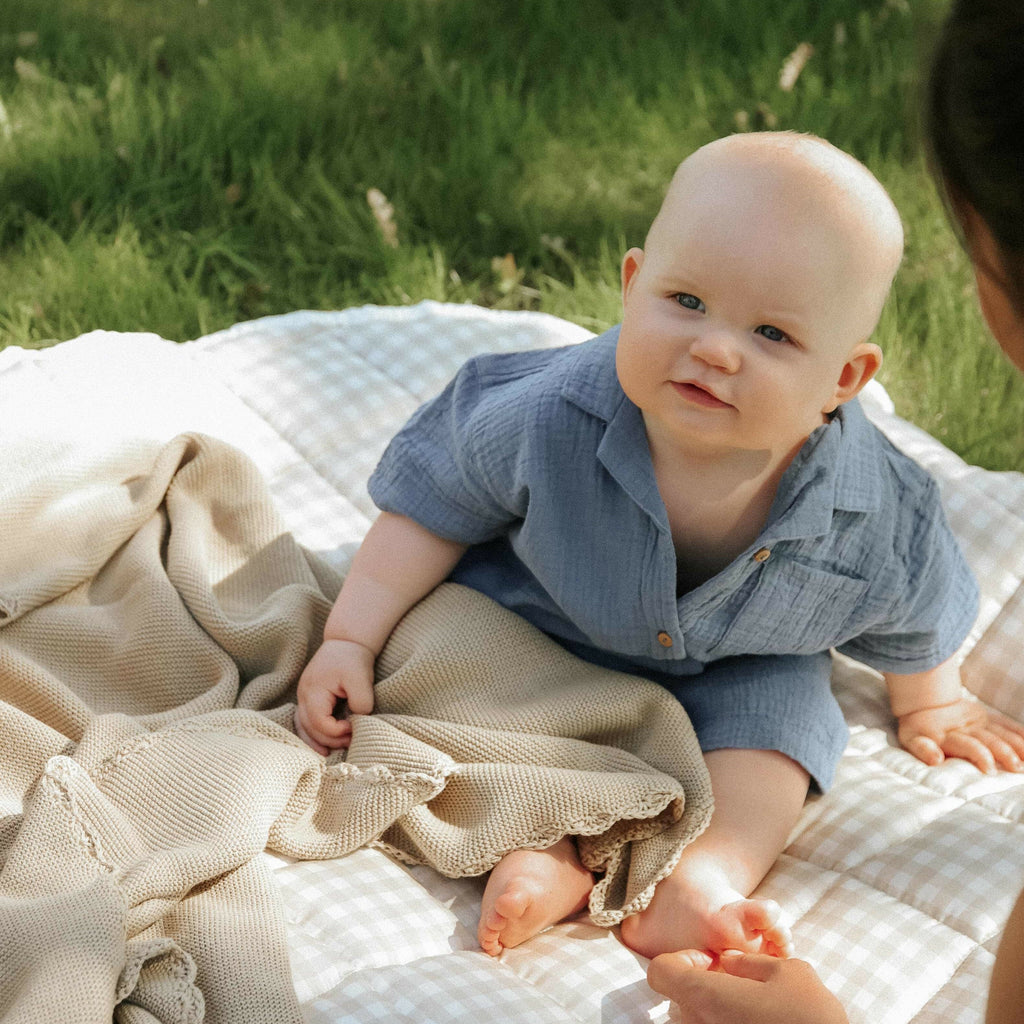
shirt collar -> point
(591, 381)
(591, 384)
(837, 467)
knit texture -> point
(154, 618)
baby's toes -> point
(488, 933)
(490, 942)
(512, 905)
(764, 919)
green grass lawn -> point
(179, 165)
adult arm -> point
(1006, 994)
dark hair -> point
(974, 118)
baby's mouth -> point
(699, 395)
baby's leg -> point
(529, 890)
(703, 904)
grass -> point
(178, 165)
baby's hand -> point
(964, 729)
(340, 670)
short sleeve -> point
(455, 466)
(935, 595)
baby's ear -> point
(859, 368)
(631, 264)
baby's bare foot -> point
(752, 926)
(528, 890)
(673, 922)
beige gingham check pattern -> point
(897, 882)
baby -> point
(694, 497)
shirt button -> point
(762, 555)
(664, 639)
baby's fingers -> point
(322, 740)
(1010, 731)
(300, 731)
(925, 749)
(316, 725)
(359, 693)
(970, 748)
(308, 733)
(1003, 748)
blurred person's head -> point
(975, 125)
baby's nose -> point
(719, 348)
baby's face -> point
(995, 294)
(741, 314)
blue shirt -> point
(540, 462)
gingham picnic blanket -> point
(897, 883)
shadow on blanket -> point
(154, 617)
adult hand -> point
(744, 988)
(340, 670)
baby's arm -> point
(936, 721)
(398, 563)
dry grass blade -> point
(384, 215)
(793, 65)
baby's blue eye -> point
(772, 333)
(689, 301)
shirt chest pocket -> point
(785, 608)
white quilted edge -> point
(445, 314)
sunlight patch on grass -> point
(57, 288)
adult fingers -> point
(707, 996)
(754, 966)
(668, 971)
(684, 978)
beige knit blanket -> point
(154, 617)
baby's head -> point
(762, 278)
